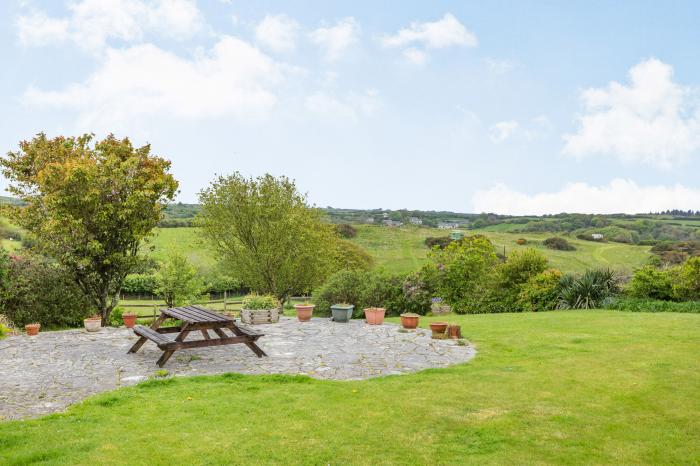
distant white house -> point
(448, 225)
(415, 221)
(369, 220)
(597, 236)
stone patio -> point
(45, 374)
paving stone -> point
(47, 373)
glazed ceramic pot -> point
(375, 315)
(341, 312)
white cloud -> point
(443, 33)
(232, 79)
(351, 107)
(620, 196)
(500, 66)
(278, 33)
(651, 120)
(92, 23)
(415, 56)
(502, 131)
(336, 39)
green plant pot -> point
(341, 313)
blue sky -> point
(510, 107)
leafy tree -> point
(266, 234)
(465, 273)
(650, 282)
(89, 205)
(687, 280)
(178, 282)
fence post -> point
(224, 300)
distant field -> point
(186, 241)
(402, 249)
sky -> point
(501, 106)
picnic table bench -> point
(194, 319)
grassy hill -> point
(403, 250)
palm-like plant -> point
(588, 290)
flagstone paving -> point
(45, 374)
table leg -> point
(139, 343)
(205, 334)
(250, 343)
(164, 357)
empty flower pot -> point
(439, 329)
(92, 324)
(375, 315)
(32, 329)
(304, 311)
(409, 320)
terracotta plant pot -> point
(439, 329)
(129, 319)
(409, 320)
(454, 332)
(375, 315)
(32, 329)
(341, 312)
(304, 311)
(92, 324)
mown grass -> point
(593, 387)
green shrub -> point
(38, 290)
(511, 275)
(559, 244)
(540, 292)
(465, 273)
(417, 293)
(651, 305)
(140, 283)
(440, 241)
(177, 281)
(649, 282)
(588, 290)
(345, 230)
(687, 281)
(116, 317)
(255, 302)
(341, 287)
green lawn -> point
(594, 387)
(403, 249)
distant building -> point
(597, 236)
(447, 225)
(415, 221)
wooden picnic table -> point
(194, 319)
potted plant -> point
(260, 309)
(341, 312)
(93, 323)
(409, 320)
(129, 319)
(438, 307)
(375, 315)
(32, 329)
(304, 311)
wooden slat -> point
(214, 316)
(154, 336)
(179, 313)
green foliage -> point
(540, 292)
(140, 283)
(439, 241)
(510, 276)
(89, 206)
(651, 305)
(350, 256)
(345, 230)
(687, 284)
(559, 244)
(650, 282)
(36, 289)
(266, 235)
(588, 290)
(178, 282)
(116, 317)
(342, 287)
(676, 252)
(465, 273)
(256, 302)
